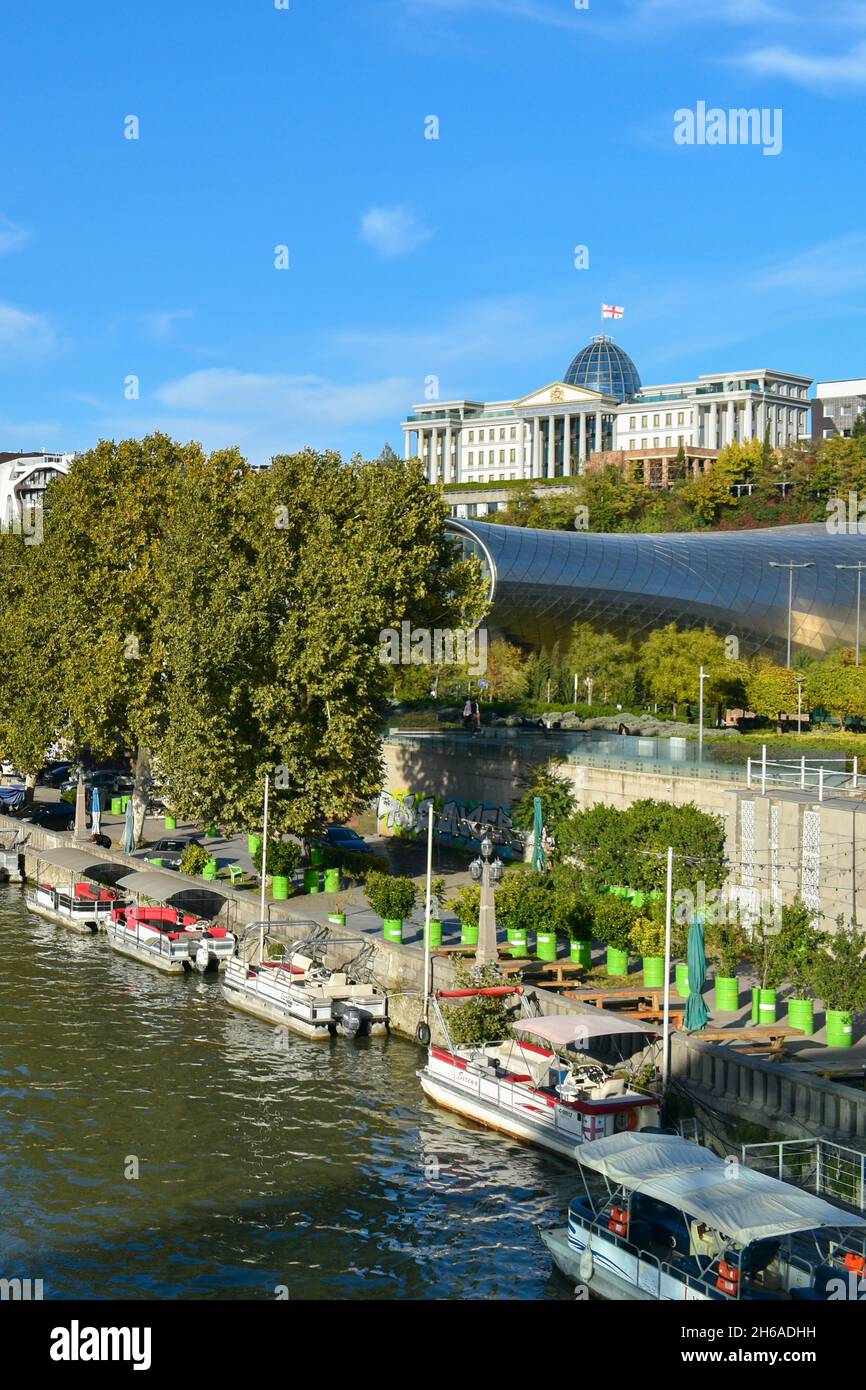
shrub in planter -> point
(466, 906)
(727, 944)
(647, 939)
(394, 899)
(284, 856)
(193, 859)
(355, 866)
(614, 919)
(799, 946)
(839, 977)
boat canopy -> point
(738, 1202)
(573, 1030)
(149, 883)
(105, 872)
(202, 902)
(76, 859)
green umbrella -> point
(539, 858)
(697, 1012)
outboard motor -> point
(202, 957)
(351, 1021)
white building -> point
(837, 406)
(23, 480)
(599, 406)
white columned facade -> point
(551, 446)
(730, 427)
(521, 448)
(598, 431)
(535, 465)
(696, 424)
(446, 462)
(581, 446)
(712, 442)
(434, 454)
(566, 444)
(749, 428)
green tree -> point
(771, 691)
(840, 689)
(608, 661)
(670, 661)
(557, 797)
(839, 974)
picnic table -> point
(761, 1037)
(829, 1071)
(635, 997)
(561, 971)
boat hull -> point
(310, 1019)
(80, 923)
(492, 1117)
(169, 964)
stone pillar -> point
(434, 454)
(446, 462)
(486, 952)
(598, 440)
(521, 449)
(566, 444)
(730, 426)
(712, 442)
(551, 446)
(407, 444)
(749, 426)
(581, 443)
(535, 467)
(696, 424)
(762, 418)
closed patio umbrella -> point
(539, 858)
(95, 812)
(129, 829)
(697, 1012)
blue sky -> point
(410, 257)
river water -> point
(155, 1143)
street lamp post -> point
(702, 675)
(790, 566)
(859, 567)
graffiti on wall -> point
(457, 824)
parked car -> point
(170, 850)
(54, 815)
(56, 774)
(109, 783)
(340, 837)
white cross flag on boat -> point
(612, 311)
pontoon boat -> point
(294, 986)
(176, 934)
(536, 1087)
(85, 907)
(662, 1218)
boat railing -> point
(647, 1263)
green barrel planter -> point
(756, 996)
(518, 944)
(682, 979)
(116, 806)
(801, 1014)
(317, 857)
(545, 945)
(170, 822)
(210, 872)
(840, 1029)
(617, 961)
(332, 880)
(312, 883)
(254, 844)
(392, 928)
(338, 918)
(434, 933)
(767, 1006)
(727, 993)
(581, 953)
(638, 899)
(279, 887)
(212, 832)
(124, 802)
(654, 972)
(468, 935)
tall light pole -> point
(702, 675)
(790, 566)
(859, 567)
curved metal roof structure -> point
(542, 582)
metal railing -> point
(828, 1169)
(825, 776)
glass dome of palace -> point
(603, 366)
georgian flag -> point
(612, 311)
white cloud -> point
(11, 235)
(393, 231)
(808, 69)
(836, 266)
(21, 332)
(160, 324)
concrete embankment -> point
(775, 1095)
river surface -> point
(266, 1165)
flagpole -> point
(666, 1018)
(427, 913)
(264, 872)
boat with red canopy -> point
(542, 1085)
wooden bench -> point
(769, 1038)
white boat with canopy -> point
(662, 1218)
(176, 930)
(85, 906)
(308, 984)
(542, 1086)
